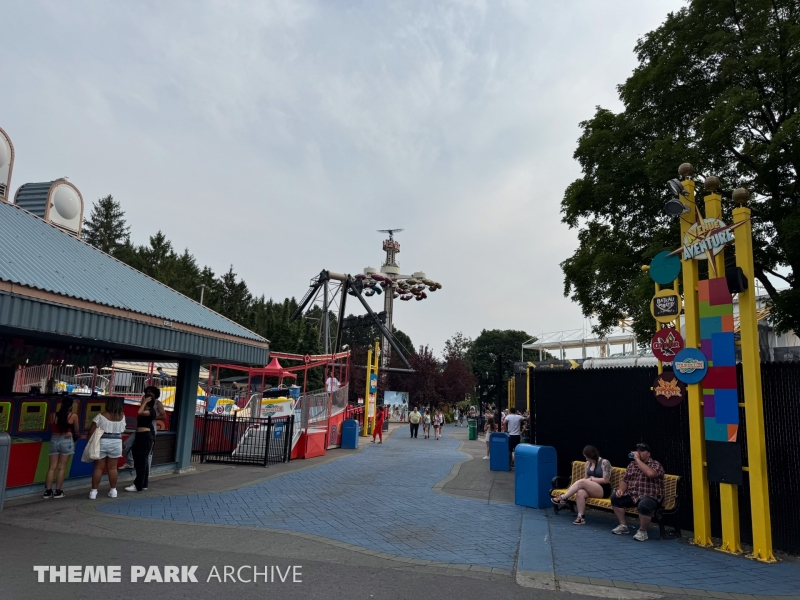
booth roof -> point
(38, 255)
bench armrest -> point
(560, 482)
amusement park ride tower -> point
(394, 285)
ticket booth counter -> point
(26, 420)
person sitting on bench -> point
(642, 486)
(596, 484)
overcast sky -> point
(278, 136)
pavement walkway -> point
(427, 505)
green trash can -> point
(473, 429)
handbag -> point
(92, 451)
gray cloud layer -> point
(278, 136)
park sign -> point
(668, 389)
(666, 343)
(706, 238)
(690, 365)
(665, 306)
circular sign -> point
(664, 268)
(668, 389)
(665, 306)
(666, 343)
(690, 365)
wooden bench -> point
(668, 506)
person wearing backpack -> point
(63, 432)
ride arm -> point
(378, 323)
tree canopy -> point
(718, 85)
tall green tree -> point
(106, 228)
(492, 356)
(718, 85)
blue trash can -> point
(499, 459)
(534, 469)
(350, 429)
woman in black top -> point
(596, 484)
(144, 441)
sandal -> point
(558, 500)
(579, 520)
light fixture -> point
(674, 207)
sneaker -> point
(93, 495)
(620, 530)
(144, 489)
(112, 493)
(128, 466)
(47, 494)
(59, 494)
(641, 536)
(131, 488)
(485, 458)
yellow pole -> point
(366, 394)
(658, 326)
(728, 493)
(697, 446)
(528, 388)
(753, 402)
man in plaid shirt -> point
(642, 486)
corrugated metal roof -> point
(39, 255)
(67, 322)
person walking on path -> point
(512, 423)
(488, 429)
(112, 424)
(63, 431)
(377, 427)
(642, 486)
(143, 444)
(426, 424)
(413, 420)
(438, 421)
(596, 483)
(455, 417)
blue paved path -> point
(592, 551)
(380, 499)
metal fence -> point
(106, 380)
(613, 409)
(242, 440)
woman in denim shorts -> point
(63, 424)
(112, 422)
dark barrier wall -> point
(613, 409)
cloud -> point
(278, 136)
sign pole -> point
(700, 496)
(366, 395)
(728, 492)
(751, 375)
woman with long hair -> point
(145, 438)
(488, 429)
(63, 429)
(596, 483)
(438, 421)
(112, 423)
(426, 424)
